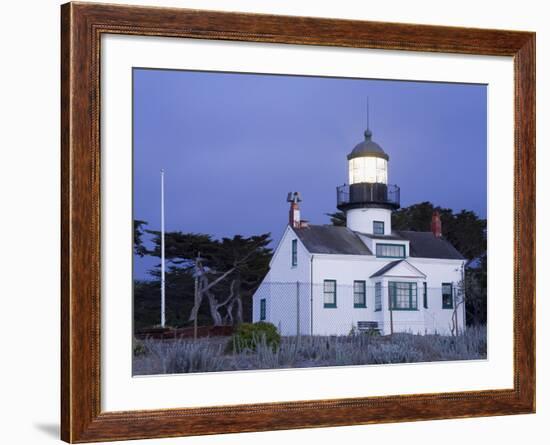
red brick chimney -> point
(294, 212)
(436, 224)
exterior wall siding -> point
(286, 289)
(346, 269)
(299, 308)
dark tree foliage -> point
(139, 248)
(464, 230)
(147, 303)
(246, 257)
(337, 218)
(476, 293)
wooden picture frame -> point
(82, 26)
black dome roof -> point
(368, 148)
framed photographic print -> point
(276, 222)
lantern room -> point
(368, 199)
(368, 162)
(368, 179)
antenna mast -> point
(368, 114)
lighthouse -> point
(368, 200)
(365, 275)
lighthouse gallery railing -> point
(368, 193)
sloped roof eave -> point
(388, 267)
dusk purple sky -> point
(233, 145)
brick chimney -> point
(436, 224)
(294, 212)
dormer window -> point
(390, 250)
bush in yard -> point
(139, 348)
(372, 332)
(249, 335)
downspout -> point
(463, 296)
(311, 295)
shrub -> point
(249, 335)
(139, 348)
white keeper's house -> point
(364, 275)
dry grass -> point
(216, 354)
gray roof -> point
(331, 239)
(341, 240)
(426, 245)
(392, 237)
(384, 269)
(368, 148)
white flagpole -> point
(162, 269)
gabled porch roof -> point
(399, 268)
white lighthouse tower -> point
(368, 200)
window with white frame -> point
(425, 295)
(262, 309)
(390, 250)
(447, 295)
(329, 293)
(359, 294)
(378, 227)
(378, 296)
(403, 296)
(294, 252)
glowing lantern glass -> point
(369, 169)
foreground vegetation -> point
(224, 354)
